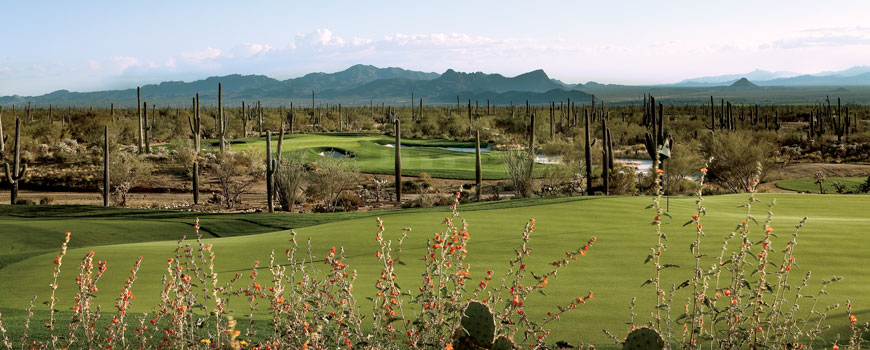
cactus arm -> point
(22, 172)
(8, 175)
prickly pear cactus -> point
(503, 343)
(478, 321)
(643, 338)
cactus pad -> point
(643, 338)
(478, 321)
(503, 343)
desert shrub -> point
(24, 201)
(289, 177)
(46, 200)
(181, 151)
(411, 186)
(348, 201)
(735, 157)
(623, 181)
(864, 187)
(329, 177)
(427, 200)
(127, 171)
(519, 165)
(235, 172)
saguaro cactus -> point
(398, 159)
(106, 166)
(244, 121)
(195, 123)
(2, 137)
(139, 113)
(588, 154)
(478, 176)
(147, 127)
(221, 124)
(18, 169)
(605, 160)
(271, 165)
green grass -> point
(810, 185)
(831, 243)
(373, 157)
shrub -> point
(329, 177)
(289, 177)
(127, 170)
(735, 155)
(519, 165)
(46, 200)
(236, 172)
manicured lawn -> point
(373, 156)
(810, 185)
(831, 243)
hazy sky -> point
(94, 45)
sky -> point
(98, 45)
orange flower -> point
(659, 171)
(853, 319)
(704, 170)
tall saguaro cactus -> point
(221, 124)
(139, 113)
(588, 154)
(244, 121)
(478, 176)
(2, 138)
(147, 127)
(271, 164)
(605, 159)
(398, 123)
(18, 169)
(195, 123)
(106, 166)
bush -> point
(519, 165)
(235, 173)
(127, 170)
(329, 177)
(46, 200)
(289, 177)
(736, 157)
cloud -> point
(248, 50)
(208, 53)
(116, 65)
(823, 37)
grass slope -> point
(809, 184)
(372, 156)
(831, 243)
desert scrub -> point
(309, 299)
(741, 295)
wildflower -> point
(853, 319)
(205, 341)
(659, 171)
(768, 229)
(704, 170)
(835, 347)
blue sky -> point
(94, 45)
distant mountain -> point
(858, 75)
(356, 85)
(721, 80)
(743, 84)
(827, 80)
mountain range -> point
(359, 84)
(365, 84)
